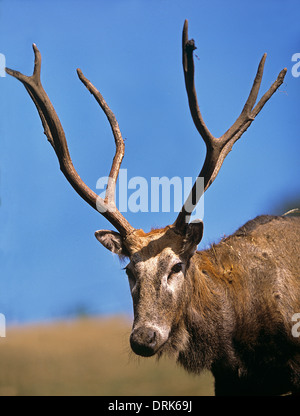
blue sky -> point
(50, 263)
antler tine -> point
(188, 47)
(56, 136)
(120, 146)
(217, 148)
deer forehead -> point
(145, 246)
(157, 265)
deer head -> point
(159, 259)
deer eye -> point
(177, 268)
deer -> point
(228, 308)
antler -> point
(217, 148)
(56, 136)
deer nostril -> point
(151, 338)
(144, 341)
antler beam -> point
(56, 136)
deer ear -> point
(194, 234)
(111, 240)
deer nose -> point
(144, 341)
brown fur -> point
(233, 311)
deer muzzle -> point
(146, 341)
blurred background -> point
(65, 298)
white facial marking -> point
(174, 283)
(175, 279)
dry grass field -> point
(87, 357)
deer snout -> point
(145, 341)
